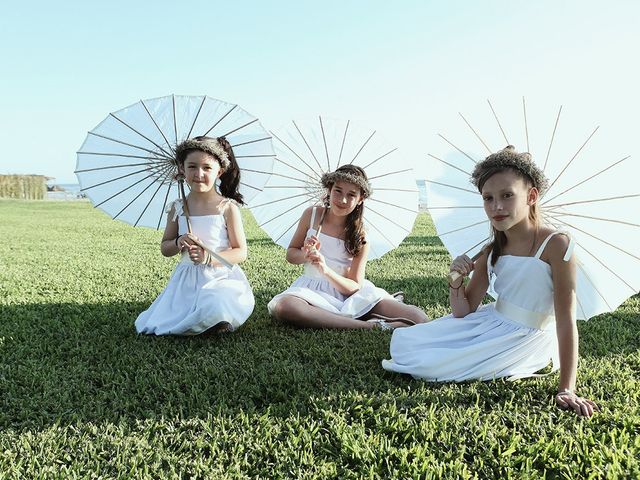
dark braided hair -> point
(230, 179)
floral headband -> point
(329, 179)
(208, 145)
(509, 158)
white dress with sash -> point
(512, 337)
(199, 297)
(315, 289)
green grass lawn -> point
(82, 395)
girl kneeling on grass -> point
(532, 269)
(332, 292)
(203, 294)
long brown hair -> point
(520, 164)
(354, 224)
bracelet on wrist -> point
(176, 240)
(456, 288)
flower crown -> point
(204, 144)
(509, 158)
(345, 175)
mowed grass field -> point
(83, 396)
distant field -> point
(83, 396)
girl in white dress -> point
(330, 241)
(532, 270)
(203, 294)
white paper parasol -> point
(127, 167)
(306, 150)
(593, 195)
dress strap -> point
(489, 265)
(567, 254)
(224, 204)
(313, 217)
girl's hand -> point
(197, 254)
(311, 246)
(186, 240)
(311, 243)
(463, 265)
(317, 260)
(584, 407)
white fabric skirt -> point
(197, 298)
(320, 293)
(484, 345)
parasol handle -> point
(453, 276)
(321, 221)
(185, 209)
(319, 229)
(324, 212)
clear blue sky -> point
(405, 68)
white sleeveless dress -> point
(199, 297)
(315, 289)
(512, 337)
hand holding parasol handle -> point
(319, 229)
(223, 261)
(453, 276)
(185, 208)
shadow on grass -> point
(64, 363)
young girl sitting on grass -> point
(202, 294)
(531, 268)
(332, 292)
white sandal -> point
(381, 324)
(406, 321)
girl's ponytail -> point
(230, 179)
